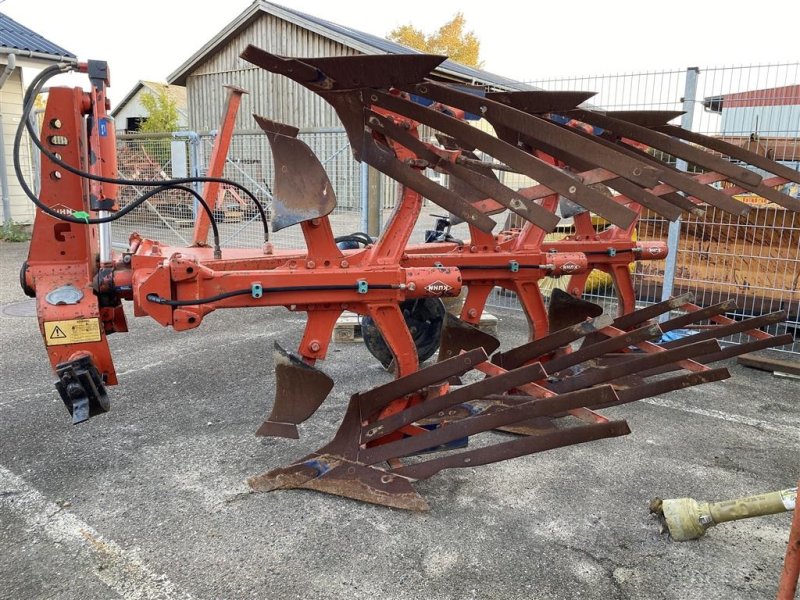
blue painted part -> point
(421, 100)
(427, 102)
(320, 467)
(102, 127)
(256, 290)
(564, 120)
(514, 266)
(675, 334)
(455, 444)
(363, 286)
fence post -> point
(673, 237)
(193, 140)
(374, 202)
(363, 189)
(36, 157)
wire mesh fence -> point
(169, 217)
(754, 259)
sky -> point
(525, 40)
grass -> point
(15, 232)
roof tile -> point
(17, 36)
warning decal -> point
(74, 331)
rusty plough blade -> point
(628, 130)
(300, 389)
(363, 461)
(371, 91)
(302, 190)
(383, 443)
(565, 310)
(458, 336)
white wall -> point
(772, 121)
(22, 209)
(134, 108)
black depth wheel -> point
(424, 318)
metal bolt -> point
(472, 313)
(315, 346)
(572, 189)
(310, 264)
(344, 264)
(55, 175)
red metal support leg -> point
(216, 164)
(530, 297)
(623, 284)
(475, 302)
(317, 334)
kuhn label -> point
(438, 288)
(61, 209)
(569, 267)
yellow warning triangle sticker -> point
(57, 334)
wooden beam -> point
(754, 361)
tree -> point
(162, 112)
(162, 117)
(450, 39)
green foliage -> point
(450, 39)
(15, 232)
(162, 117)
(162, 113)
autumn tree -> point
(162, 112)
(450, 39)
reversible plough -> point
(546, 391)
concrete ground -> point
(148, 501)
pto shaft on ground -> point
(688, 519)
